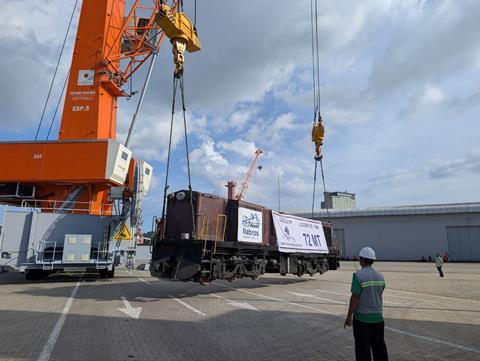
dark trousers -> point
(440, 271)
(369, 340)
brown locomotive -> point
(226, 239)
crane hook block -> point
(181, 32)
(318, 134)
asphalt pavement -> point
(137, 317)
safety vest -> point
(373, 284)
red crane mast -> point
(241, 195)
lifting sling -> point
(318, 130)
(178, 81)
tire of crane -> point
(34, 275)
(103, 273)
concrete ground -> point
(136, 317)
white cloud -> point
(345, 117)
(26, 19)
(284, 122)
(427, 40)
(432, 95)
(207, 158)
(208, 164)
(239, 119)
(31, 35)
(151, 136)
(469, 163)
(272, 132)
(241, 147)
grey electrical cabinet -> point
(77, 248)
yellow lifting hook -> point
(181, 32)
(318, 134)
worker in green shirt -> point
(366, 309)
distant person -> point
(366, 309)
(445, 256)
(439, 264)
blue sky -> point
(400, 97)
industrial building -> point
(335, 200)
(409, 232)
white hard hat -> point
(367, 252)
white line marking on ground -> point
(431, 339)
(333, 293)
(431, 299)
(348, 295)
(280, 300)
(388, 293)
(144, 281)
(52, 339)
(188, 306)
(315, 297)
(426, 338)
(133, 312)
(416, 293)
(243, 305)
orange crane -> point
(77, 183)
(246, 182)
(86, 161)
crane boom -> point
(241, 195)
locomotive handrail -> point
(205, 226)
(219, 217)
(204, 231)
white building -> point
(338, 200)
(409, 232)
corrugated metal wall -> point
(464, 243)
(409, 237)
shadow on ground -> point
(234, 335)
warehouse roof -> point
(473, 207)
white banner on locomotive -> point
(250, 225)
(299, 235)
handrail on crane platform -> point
(37, 205)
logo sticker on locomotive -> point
(296, 234)
(250, 225)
